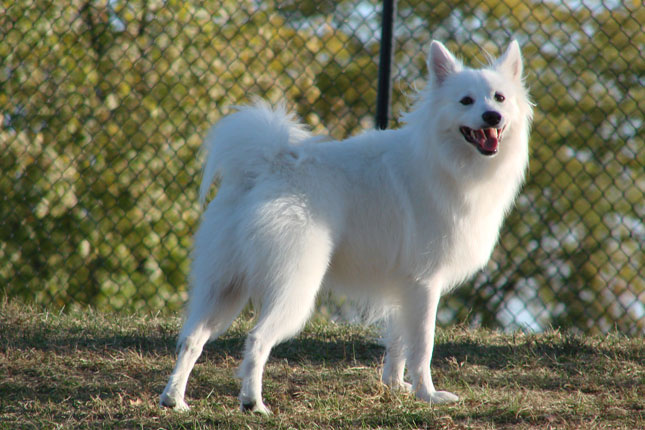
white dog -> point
(398, 217)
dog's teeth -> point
(493, 132)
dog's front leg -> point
(394, 364)
(421, 317)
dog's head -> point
(483, 103)
(473, 110)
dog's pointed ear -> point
(511, 62)
(441, 62)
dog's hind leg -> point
(287, 302)
(211, 312)
(189, 348)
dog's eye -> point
(499, 97)
(467, 101)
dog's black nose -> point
(491, 117)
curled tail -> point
(241, 144)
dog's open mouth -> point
(486, 140)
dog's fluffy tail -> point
(241, 144)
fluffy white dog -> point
(397, 217)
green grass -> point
(93, 370)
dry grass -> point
(91, 370)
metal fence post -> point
(385, 64)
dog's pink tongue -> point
(489, 140)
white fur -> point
(398, 217)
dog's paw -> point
(436, 397)
(254, 407)
(441, 397)
(174, 404)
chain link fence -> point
(103, 105)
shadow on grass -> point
(331, 344)
(338, 343)
(538, 348)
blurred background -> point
(103, 106)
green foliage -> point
(103, 105)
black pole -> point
(385, 65)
